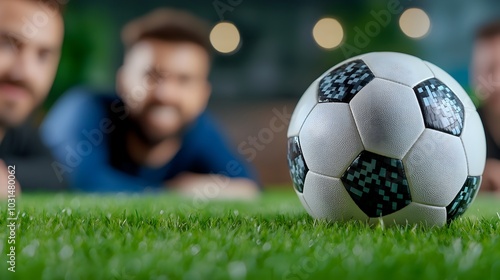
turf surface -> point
(165, 237)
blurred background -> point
(267, 53)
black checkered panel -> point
(441, 108)
(463, 199)
(296, 163)
(342, 83)
(377, 184)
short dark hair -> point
(57, 5)
(488, 30)
(168, 25)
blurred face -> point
(30, 43)
(486, 71)
(165, 86)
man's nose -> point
(22, 67)
(166, 91)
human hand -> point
(491, 176)
(9, 186)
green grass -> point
(165, 237)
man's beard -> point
(155, 140)
(5, 121)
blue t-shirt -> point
(86, 133)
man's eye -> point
(44, 55)
(7, 44)
(150, 77)
(184, 79)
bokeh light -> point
(225, 37)
(415, 23)
(328, 33)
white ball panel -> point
(436, 168)
(329, 139)
(448, 80)
(328, 199)
(415, 213)
(388, 117)
(398, 67)
(304, 203)
(309, 99)
(303, 108)
(474, 142)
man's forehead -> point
(488, 44)
(495, 41)
(152, 49)
(159, 46)
(31, 22)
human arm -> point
(217, 171)
(214, 186)
(491, 176)
(24, 151)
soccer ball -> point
(386, 137)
